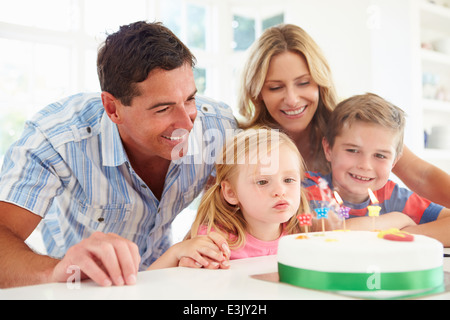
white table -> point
(235, 283)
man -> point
(106, 175)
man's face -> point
(161, 117)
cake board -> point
(376, 294)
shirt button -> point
(88, 129)
(101, 219)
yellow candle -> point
(374, 210)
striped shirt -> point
(391, 198)
(70, 168)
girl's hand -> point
(221, 259)
(208, 251)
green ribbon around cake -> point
(413, 280)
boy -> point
(363, 142)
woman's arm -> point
(438, 229)
(423, 178)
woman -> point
(287, 84)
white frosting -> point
(359, 251)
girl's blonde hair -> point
(214, 212)
(274, 41)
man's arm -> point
(19, 264)
(105, 258)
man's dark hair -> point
(129, 55)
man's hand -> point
(105, 258)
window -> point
(196, 27)
(244, 32)
(52, 54)
(272, 21)
(106, 16)
(33, 74)
(53, 14)
(188, 22)
(200, 79)
(245, 29)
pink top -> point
(252, 248)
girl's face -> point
(267, 195)
(362, 157)
(289, 92)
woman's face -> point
(289, 92)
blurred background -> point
(398, 49)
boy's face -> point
(362, 157)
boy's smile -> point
(362, 157)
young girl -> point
(257, 195)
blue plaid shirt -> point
(70, 168)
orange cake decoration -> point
(395, 235)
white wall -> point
(340, 29)
(370, 45)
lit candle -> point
(305, 220)
(343, 211)
(322, 213)
(374, 210)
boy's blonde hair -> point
(369, 108)
(215, 212)
(274, 41)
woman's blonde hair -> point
(273, 41)
(214, 212)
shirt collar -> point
(113, 152)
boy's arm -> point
(203, 251)
(389, 220)
(438, 229)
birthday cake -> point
(362, 261)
